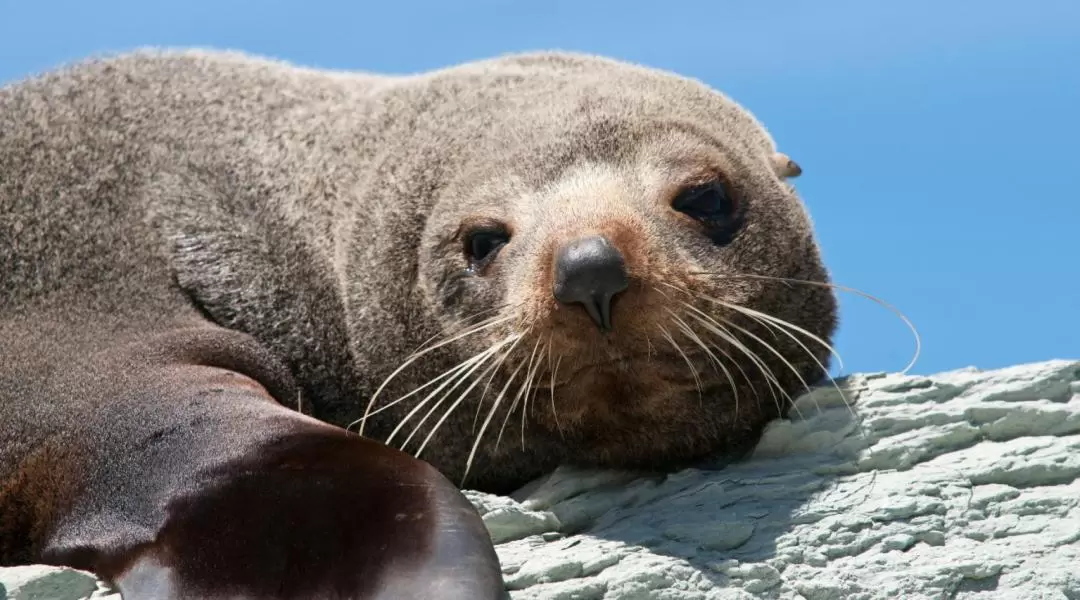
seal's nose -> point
(590, 271)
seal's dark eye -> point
(705, 202)
(712, 206)
(482, 244)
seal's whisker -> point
(773, 322)
(720, 331)
(712, 325)
(758, 339)
(694, 337)
(460, 381)
(456, 379)
(487, 421)
(773, 328)
(452, 327)
(460, 376)
(523, 393)
(451, 372)
(842, 288)
(689, 333)
(708, 349)
(525, 404)
(487, 385)
(778, 355)
(521, 390)
(457, 335)
(783, 324)
(554, 412)
(491, 368)
(490, 309)
(367, 411)
(678, 348)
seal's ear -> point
(785, 167)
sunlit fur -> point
(322, 212)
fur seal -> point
(212, 265)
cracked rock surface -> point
(963, 485)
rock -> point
(39, 582)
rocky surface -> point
(961, 485)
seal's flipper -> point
(319, 515)
(176, 474)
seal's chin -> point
(621, 392)
(580, 374)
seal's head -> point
(618, 263)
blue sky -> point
(938, 139)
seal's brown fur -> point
(321, 214)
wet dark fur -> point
(319, 212)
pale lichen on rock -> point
(964, 484)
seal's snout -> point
(590, 271)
